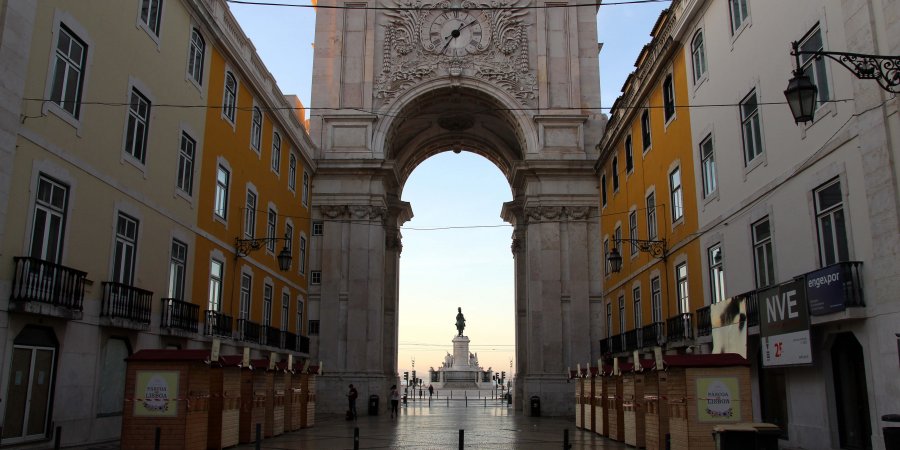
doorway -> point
(850, 392)
(30, 386)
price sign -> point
(784, 325)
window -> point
(276, 152)
(285, 306)
(151, 14)
(315, 277)
(292, 172)
(305, 195)
(214, 303)
(698, 56)
(302, 254)
(222, 179)
(621, 314)
(638, 314)
(318, 228)
(617, 237)
(608, 319)
(739, 13)
(250, 215)
(606, 270)
(246, 288)
(831, 224)
(68, 72)
(752, 134)
(195, 58)
(229, 99)
(177, 265)
(267, 305)
(814, 68)
(651, 216)
(763, 255)
(185, 179)
(632, 231)
(256, 129)
(49, 222)
(645, 129)
(126, 249)
(629, 155)
(313, 327)
(656, 300)
(615, 174)
(708, 166)
(681, 288)
(677, 199)
(271, 221)
(299, 316)
(603, 189)
(138, 126)
(716, 274)
(289, 232)
(668, 98)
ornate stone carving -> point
(417, 40)
(354, 212)
(393, 241)
(518, 245)
(557, 213)
(334, 211)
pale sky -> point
(441, 270)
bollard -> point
(356, 438)
(467, 401)
(448, 402)
(58, 438)
(258, 436)
(462, 439)
(157, 438)
(485, 402)
(566, 445)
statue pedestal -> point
(460, 352)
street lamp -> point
(802, 93)
(243, 247)
(657, 249)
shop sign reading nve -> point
(784, 325)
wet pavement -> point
(486, 425)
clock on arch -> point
(456, 32)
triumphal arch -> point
(397, 81)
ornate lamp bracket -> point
(883, 69)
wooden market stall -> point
(614, 407)
(633, 405)
(308, 397)
(224, 403)
(600, 407)
(590, 420)
(275, 404)
(579, 397)
(254, 391)
(656, 411)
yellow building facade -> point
(652, 282)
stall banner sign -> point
(156, 393)
(718, 399)
(825, 290)
(784, 325)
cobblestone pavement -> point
(437, 427)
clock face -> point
(455, 33)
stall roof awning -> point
(711, 360)
(169, 355)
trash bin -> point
(746, 436)
(535, 406)
(891, 434)
(373, 405)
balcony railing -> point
(633, 340)
(270, 336)
(217, 324)
(122, 301)
(618, 343)
(303, 344)
(606, 346)
(834, 288)
(288, 341)
(680, 327)
(249, 331)
(751, 303)
(653, 334)
(704, 322)
(36, 280)
(180, 315)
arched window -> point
(195, 61)
(229, 101)
(256, 129)
(698, 55)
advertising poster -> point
(784, 325)
(729, 326)
(156, 393)
(825, 290)
(718, 399)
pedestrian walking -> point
(351, 397)
(395, 401)
(430, 391)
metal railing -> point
(217, 324)
(606, 346)
(680, 327)
(249, 331)
(633, 340)
(180, 315)
(36, 280)
(653, 334)
(288, 341)
(270, 336)
(303, 344)
(617, 343)
(704, 321)
(126, 302)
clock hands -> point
(455, 34)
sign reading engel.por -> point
(718, 399)
(156, 393)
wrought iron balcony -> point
(680, 327)
(751, 304)
(834, 288)
(633, 340)
(288, 341)
(303, 344)
(653, 334)
(126, 306)
(217, 324)
(606, 346)
(180, 315)
(618, 343)
(43, 287)
(249, 331)
(704, 322)
(270, 336)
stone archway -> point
(370, 142)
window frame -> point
(246, 296)
(603, 189)
(682, 289)
(271, 228)
(177, 269)
(615, 174)
(744, 11)
(609, 322)
(622, 311)
(268, 300)
(67, 94)
(220, 203)
(276, 152)
(313, 327)
(629, 155)
(315, 277)
(292, 172)
(256, 127)
(285, 310)
(633, 232)
(652, 221)
(196, 57)
(698, 56)
(676, 195)
(251, 205)
(820, 65)
(606, 269)
(125, 249)
(230, 98)
(637, 312)
(656, 313)
(51, 211)
(304, 196)
(185, 174)
(299, 317)
(753, 121)
(318, 228)
(767, 246)
(646, 132)
(137, 127)
(668, 90)
(302, 256)
(839, 236)
(716, 273)
(215, 285)
(708, 176)
(145, 22)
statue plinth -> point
(460, 352)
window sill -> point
(179, 193)
(713, 197)
(760, 160)
(65, 116)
